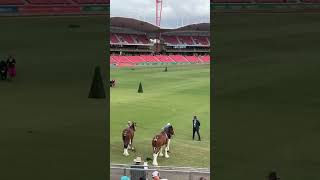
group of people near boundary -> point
(138, 172)
(8, 68)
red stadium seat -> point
(121, 59)
(129, 39)
(165, 59)
(171, 40)
(270, 1)
(92, 1)
(178, 58)
(114, 38)
(193, 59)
(136, 59)
(205, 58)
(50, 1)
(125, 38)
(186, 40)
(311, 1)
(200, 40)
(150, 59)
(132, 60)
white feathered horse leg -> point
(130, 145)
(125, 152)
(166, 152)
(168, 144)
(160, 153)
(155, 162)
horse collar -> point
(166, 135)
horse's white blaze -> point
(125, 152)
(168, 143)
(155, 163)
(161, 154)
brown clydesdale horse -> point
(127, 138)
(159, 141)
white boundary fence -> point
(166, 172)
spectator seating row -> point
(170, 40)
(133, 60)
(128, 39)
(186, 40)
(52, 2)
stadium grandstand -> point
(51, 2)
(269, 6)
(134, 42)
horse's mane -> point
(167, 129)
(132, 126)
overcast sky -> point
(175, 13)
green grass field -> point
(173, 96)
(55, 66)
(267, 96)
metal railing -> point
(166, 172)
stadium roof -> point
(133, 24)
(146, 27)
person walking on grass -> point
(11, 63)
(196, 127)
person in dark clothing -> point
(272, 176)
(3, 70)
(196, 127)
(11, 63)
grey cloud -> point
(175, 12)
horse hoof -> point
(167, 156)
(126, 154)
(161, 155)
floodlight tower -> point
(158, 23)
(158, 12)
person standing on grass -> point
(11, 62)
(196, 127)
(272, 176)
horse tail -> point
(124, 135)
